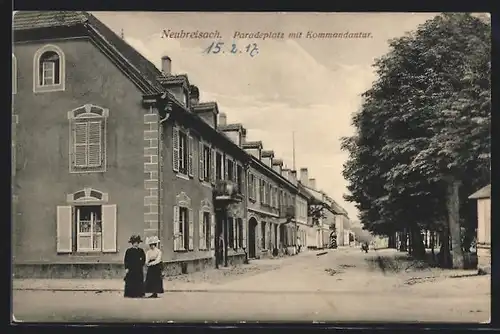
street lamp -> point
(225, 193)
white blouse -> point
(153, 254)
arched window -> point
(183, 224)
(14, 74)
(49, 67)
(88, 139)
(206, 227)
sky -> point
(310, 87)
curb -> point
(104, 290)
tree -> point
(421, 129)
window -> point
(239, 223)
(183, 224)
(49, 69)
(263, 232)
(251, 186)
(87, 224)
(183, 149)
(88, 139)
(218, 166)
(205, 162)
(262, 191)
(14, 74)
(231, 232)
(183, 153)
(206, 230)
(239, 178)
(89, 228)
(230, 170)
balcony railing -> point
(287, 211)
(227, 191)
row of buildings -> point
(86, 108)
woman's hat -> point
(152, 240)
(134, 239)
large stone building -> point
(86, 108)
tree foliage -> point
(424, 120)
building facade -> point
(483, 198)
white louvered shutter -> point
(245, 231)
(201, 235)
(109, 228)
(235, 233)
(190, 155)
(175, 149)
(177, 233)
(201, 166)
(225, 168)
(95, 144)
(212, 165)
(212, 232)
(191, 230)
(64, 241)
(235, 172)
(80, 140)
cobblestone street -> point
(342, 285)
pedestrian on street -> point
(134, 264)
(154, 280)
(299, 245)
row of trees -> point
(423, 134)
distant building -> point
(483, 197)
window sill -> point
(206, 184)
(49, 89)
(183, 176)
(87, 170)
(184, 251)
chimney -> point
(222, 119)
(166, 65)
(293, 174)
(243, 136)
(304, 177)
(194, 95)
(312, 183)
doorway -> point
(252, 227)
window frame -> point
(77, 221)
(41, 88)
(14, 74)
(87, 114)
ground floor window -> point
(86, 228)
(239, 223)
(231, 232)
(263, 234)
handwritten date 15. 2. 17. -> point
(251, 49)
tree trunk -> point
(417, 243)
(404, 241)
(453, 206)
(432, 245)
(410, 242)
(444, 250)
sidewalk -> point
(201, 281)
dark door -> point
(252, 225)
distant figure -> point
(134, 263)
(364, 247)
(299, 245)
(154, 280)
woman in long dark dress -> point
(134, 264)
(154, 280)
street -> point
(341, 285)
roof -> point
(147, 71)
(278, 162)
(484, 192)
(231, 127)
(267, 153)
(252, 144)
(204, 106)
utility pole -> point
(293, 149)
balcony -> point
(227, 191)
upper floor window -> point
(205, 167)
(88, 139)
(49, 68)
(183, 149)
(230, 170)
(218, 166)
(14, 74)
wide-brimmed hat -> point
(135, 238)
(152, 240)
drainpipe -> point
(246, 169)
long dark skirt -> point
(134, 284)
(154, 281)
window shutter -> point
(245, 230)
(226, 174)
(201, 235)
(235, 234)
(95, 144)
(109, 228)
(235, 172)
(212, 232)
(190, 155)
(64, 239)
(212, 165)
(80, 144)
(177, 233)
(191, 230)
(201, 167)
(175, 149)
